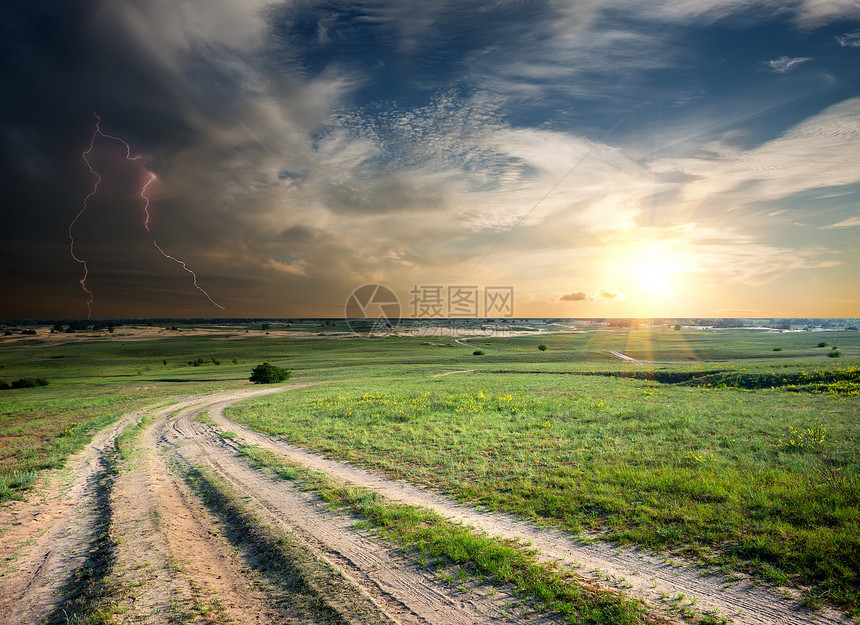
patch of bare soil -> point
(658, 581)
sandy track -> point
(170, 550)
(643, 574)
(626, 358)
(47, 538)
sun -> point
(653, 270)
(653, 275)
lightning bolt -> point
(152, 178)
(98, 132)
(193, 275)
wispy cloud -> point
(817, 153)
(849, 40)
(785, 64)
(851, 222)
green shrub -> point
(543, 347)
(822, 344)
(23, 383)
(777, 349)
(834, 353)
(268, 374)
(477, 352)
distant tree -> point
(477, 352)
(677, 327)
(266, 326)
(268, 374)
(822, 344)
(834, 353)
(543, 347)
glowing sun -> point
(654, 271)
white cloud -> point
(785, 64)
(849, 40)
(820, 152)
(814, 13)
(851, 222)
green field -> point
(740, 449)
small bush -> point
(834, 353)
(268, 374)
(822, 344)
(477, 352)
(23, 383)
(543, 347)
(777, 349)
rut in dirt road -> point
(655, 580)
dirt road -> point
(130, 535)
(172, 525)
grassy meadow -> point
(737, 448)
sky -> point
(598, 158)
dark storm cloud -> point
(191, 88)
